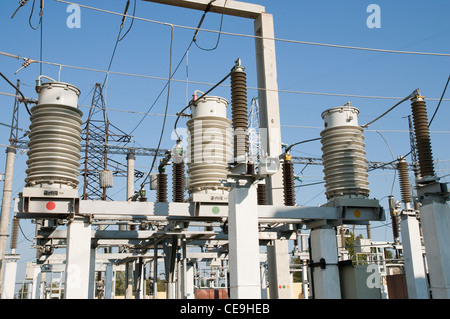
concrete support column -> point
(280, 283)
(78, 258)
(263, 280)
(435, 218)
(139, 277)
(109, 280)
(35, 282)
(9, 281)
(6, 205)
(92, 274)
(270, 128)
(413, 257)
(129, 280)
(155, 271)
(189, 288)
(324, 259)
(243, 237)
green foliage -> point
(120, 283)
(297, 275)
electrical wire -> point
(393, 158)
(178, 65)
(390, 109)
(165, 112)
(117, 42)
(386, 164)
(23, 234)
(273, 39)
(437, 108)
(31, 15)
(305, 141)
(131, 24)
(206, 83)
(220, 30)
(194, 101)
(17, 90)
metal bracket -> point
(322, 264)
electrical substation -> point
(233, 224)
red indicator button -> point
(50, 205)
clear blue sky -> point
(405, 25)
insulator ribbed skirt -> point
(239, 112)
(344, 161)
(178, 182)
(209, 149)
(288, 183)
(403, 177)
(423, 141)
(261, 194)
(54, 146)
(161, 191)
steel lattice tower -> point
(254, 139)
(98, 135)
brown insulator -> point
(161, 188)
(178, 182)
(405, 188)
(239, 111)
(422, 133)
(14, 233)
(261, 194)
(288, 183)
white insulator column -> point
(344, 161)
(209, 149)
(55, 136)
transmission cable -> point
(165, 112)
(178, 65)
(440, 100)
(393, 107)
(301, 142)
(195, 101)
(118, 40)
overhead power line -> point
(268, 38)
(28, 60)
